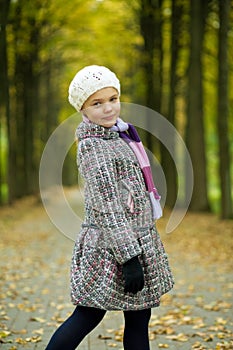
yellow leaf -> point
(209, 338)
(34, 339)
(151, 336)
(169, 330)
(118, 337)
(11, 305)
(4, 334)
(45, 291)
(38, 331)
(21, 331)
(110, 330)
(37, 319)
(199, 325)
(180, 337)
(20, 341)
(220, 321)
(155, 323)
(221, 335)
(163, 346)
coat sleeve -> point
(97, 166)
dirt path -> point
(34, 285)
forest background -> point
(173, 56)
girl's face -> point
(103, 107)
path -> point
(34, 285)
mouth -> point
(111, 117)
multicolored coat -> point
(118, 225)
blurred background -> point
(173, 56)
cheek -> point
(93, 115)
(117, 108)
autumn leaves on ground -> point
(34, 285)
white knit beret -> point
(89, 80)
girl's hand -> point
(134, 277)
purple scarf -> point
(129, 134)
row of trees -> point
(171, 55)
(204, 39)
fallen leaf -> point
(21, 331)
(38, 331)
(37, 319)
(163, 346)
(34, 339)
(220, 321)
(4, 334)
(20, 341)
(104, 337)
(179, 337)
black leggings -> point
(84, 319)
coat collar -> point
(89, 130)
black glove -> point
(134, 277)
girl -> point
(119, 262)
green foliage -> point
(58, 38)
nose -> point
(107, 107)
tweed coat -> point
(118, 226)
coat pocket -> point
(133, 197)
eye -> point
(114, 99)
(97, 103)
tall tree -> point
(166, 160)
(26, 37)
(151, 30)
(150, 25)
(195, 118)
(32, 57)
(223, 110)
(4, 85)
(150, 19)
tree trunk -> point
(31, 96)
(195, 124)
(166, 160)
(26, 101)
(4, 95)
(150, 24)
(223, 108)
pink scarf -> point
(128, 132)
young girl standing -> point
(119, 262)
